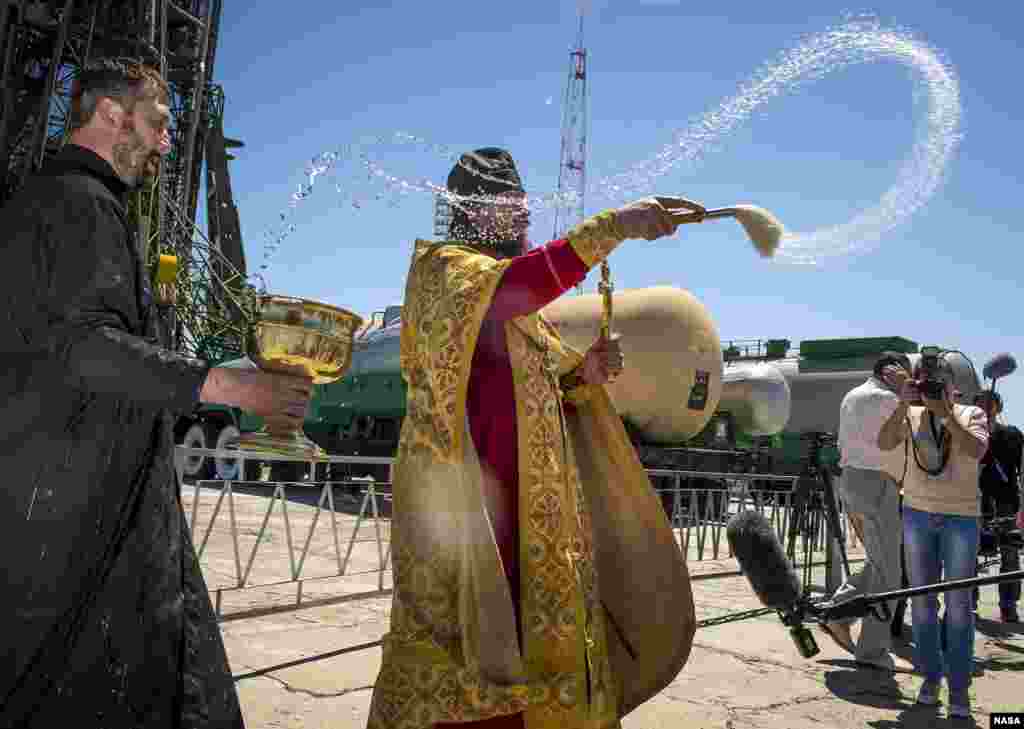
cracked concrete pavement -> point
(742, 675)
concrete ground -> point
(742, 675)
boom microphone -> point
(764, 563)
(1000, 366)
(763, 560)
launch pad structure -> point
(572, 163)
(43, 47)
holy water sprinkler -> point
(764, 229)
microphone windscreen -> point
(999, 366)
(763, 560)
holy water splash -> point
(855, 42)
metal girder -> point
(44, 45)
(572, 165)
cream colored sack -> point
(642, 577)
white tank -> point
(816, 393)
(757, 396)
(672, 381)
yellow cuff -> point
(595, 238)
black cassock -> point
(105, 620)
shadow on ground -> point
(864, 686)
(878, 689)
(923, 717)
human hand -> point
(908, 392)
(657, 217)
(1020, 519)
(603, 362)
(895, 377)
(263, 394)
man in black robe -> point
(105, 620)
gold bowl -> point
(297, 337)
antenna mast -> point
(572, 167)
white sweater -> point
(954, 491)
(862, 414)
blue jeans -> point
(937, 544)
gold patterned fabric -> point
(595, 238)
(452, 654)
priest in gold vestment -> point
(537, 582)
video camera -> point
(998, 532)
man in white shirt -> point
(870, 492)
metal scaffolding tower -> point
(43, 46)
(442, 217)
(572, 166)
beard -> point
(509, 248)
(495, 239)
(151, 167)
(135, 162)
(505, 243)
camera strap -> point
(943, 443)
(906, 454)
(938, 430)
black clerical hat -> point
(487, 171)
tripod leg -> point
(813, 524)
(798, 509)
(834, 524)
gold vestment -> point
(607, 611)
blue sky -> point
(471, 74)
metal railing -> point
(323, 558)
(697, 511)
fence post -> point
(677, 500)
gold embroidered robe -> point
(590, 652)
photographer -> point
(941, 511)
(1000, 471)
(870, 492)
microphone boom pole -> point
(863, 604)
(763, 561)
